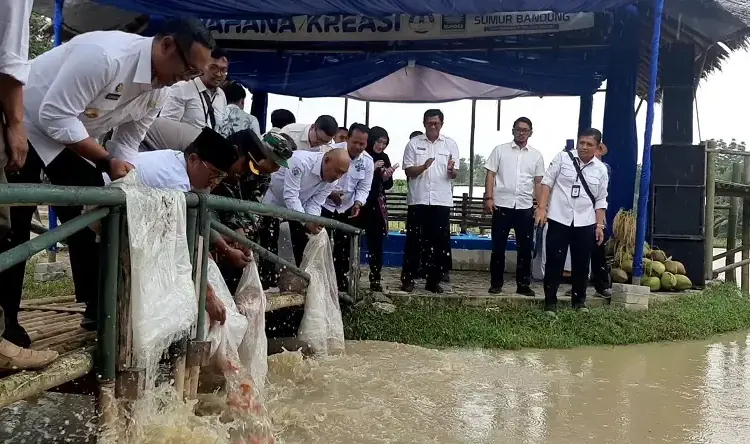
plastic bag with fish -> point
(225, 339)
(251, 302)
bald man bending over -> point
(304, 186)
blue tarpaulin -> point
(239, 9)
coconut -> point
(651, 282)
(657, 268)
(673, 267)
(680, 268)
(647, 266)
(646, 250)
(619, 276)
(627, 265)
(658, 255)
(682, 282)
(668, 281)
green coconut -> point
(682, 282)
(619, 275)
(657, 269)
(654, 283)
(627, 265)
(646, 250)
(658, 255)
(668, 281)
(647, 266)
(674, 267)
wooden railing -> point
(467, 214)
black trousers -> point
(522, 223)
(431, 232)
(371, 219)
(341, 247)
(600, 270)
(269, 239)
(66, 169)
(581, 243)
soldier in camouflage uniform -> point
(266, 156)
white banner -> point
(342, 28)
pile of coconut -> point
(660, 272)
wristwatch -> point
(103, 163)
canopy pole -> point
(498, 115)
(471, 146)
(645, 184)
(346, 112)
(367, 113)
(57, 27)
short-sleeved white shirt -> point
(432, 187)
(561, 176)
(515, 171)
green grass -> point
(441, 323)
(35, 290)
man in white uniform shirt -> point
(573, 204)
(429, 164)
(14, 70)
(303, 186)
(200, 102)
(514, 177)
(312, 137)
(349, 195)
(79, 91)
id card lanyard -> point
(575, 190)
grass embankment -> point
(440, 323)
(35, 290)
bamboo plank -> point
(284, 300)
(55, 308)
(42, 301)
(50, 342)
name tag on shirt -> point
(113, 96)
(575, 191)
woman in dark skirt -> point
(374, 215)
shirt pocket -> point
(354, 178)
(104, 104)
(569, 171)
(594, 183)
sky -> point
(721, 102)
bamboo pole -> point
(745, 274)
(710, 217)
(734, 204)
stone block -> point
(626, 306)
(47, 277)
(50, 267)
(632, 289)
(630, 298)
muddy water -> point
(391, 393)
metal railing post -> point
(107, 329)
(192, 224)
(205, 224)
(710, 217)
(354, 269)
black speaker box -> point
(677, 206)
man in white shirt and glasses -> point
(349, 195)
(200, 102)
(429, 164)
(312, 137)
(77, 92)
(514, 177)
(573, 203)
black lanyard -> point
(208, 106)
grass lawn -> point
(440, 323)
(35, 290)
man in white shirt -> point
(14, 71)
(200, 102)
(303, 186)
(514, 177)
(312, 137)
(79, 91)
(281, 118)
(341, 135)
(235, 118)
(349, 195)
(429, 164)
(573, 205)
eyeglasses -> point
(214, 177)
(219, 70)
(190, 71)
(522, 130)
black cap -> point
(213, 148)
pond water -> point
(697, 392)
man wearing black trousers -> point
(600, 277)
(429, 163)
(514, 177)
(573, 202)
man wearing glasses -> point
(200, 102)
(312, 137)
(514, 177)
(76, 93)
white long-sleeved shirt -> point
(301, 186)
(516, 170)
(165, 169)
(561, 176)
(432, 187)
(355, 184)
(85, 87)
(187, 104)
(14, 38)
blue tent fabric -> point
(619, 112)
(240, 9)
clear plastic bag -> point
(322, 327)
(251, 302)
(225, 339)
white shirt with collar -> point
(165, 169)
(300, 133)
(187, 104)
(561, 176)
(516, 170)
(93, 83)
(301, 186)
(14, 38)
(355, 184)
(432, 187)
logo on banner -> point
(450, 24)
(421, 24)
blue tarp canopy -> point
(240, 9)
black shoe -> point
(88, 324)
(17, 335)
(495, 289)
(551, 310)
(605, 293)
(345, 299)
(407, 287)
(525, 290)
(434, 288)
(376, 286)
(580, 307)
(446, 278)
